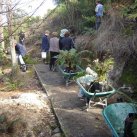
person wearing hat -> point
(62, 33)
(67, 42)
(45, 45)
(54, 50)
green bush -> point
(13, 84)
(73, 58)
(101, 68)
(29, 60)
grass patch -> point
(29, 60)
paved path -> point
(69, 109)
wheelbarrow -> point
(69, 76)
(91, 97)
(115, 115)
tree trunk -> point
(1, 27)
(116, 72)
(10, 31)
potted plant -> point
(70, 61)
(69, 64)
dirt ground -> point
(24, 108)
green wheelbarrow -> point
(115, 116)
(94, 98)
(69, 76)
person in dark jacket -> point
(62, 33)
(45, 45)
(20, 49)
(21, 52)
(67, 42)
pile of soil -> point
(26, 112)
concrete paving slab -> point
(69, 109)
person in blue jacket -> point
(45, 45)
(20, 49)
(99, 13)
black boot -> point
(44, 61)
(23, 67)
